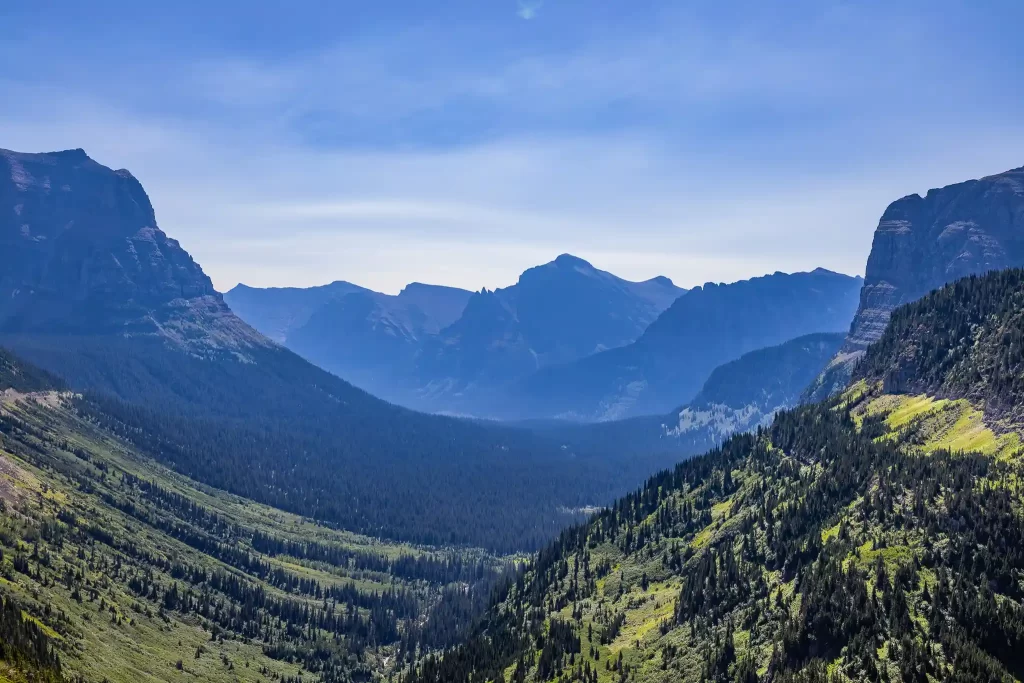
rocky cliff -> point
(922, 243)
(81, 253)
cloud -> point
(528, 8)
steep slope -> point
(276, 312)
(116, 569)
(706, 327)
(95, 292)
(921, 243)
(963, 341)
(373, 339)
(738, 396)
(443, 349)
(17, 377)
(558, 312)
(873, 537)
(81, 253)
(747, 392)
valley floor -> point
(131, 573)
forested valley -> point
(112, 564)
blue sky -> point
(464, 141)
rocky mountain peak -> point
(81, 252)
(922, 243)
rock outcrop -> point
(81, 253)
(922, 243)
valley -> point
(182, 497)
(132, 572)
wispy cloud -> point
(528, 8)
(684, 145)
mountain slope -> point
(873, 537)
(373, 340)
(708, 326)
(557, 312)
(81, 254)
(747, 392)
(276, 312)
(738, 396)
(445, 349)
(115, 568)
(95, 292)
(921, 243)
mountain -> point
(559, 311)
(372, 339)
(115, 568)
(706, 327)
(922, 243)
(94, 292)
(740, 395)
(281, 312)
(81, 254)
(276, 312)
(873, 537)
(443, 349)
(747, 392)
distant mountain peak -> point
(418, 287)
(662, 280)
(570, 261)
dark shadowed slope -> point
(93, 290)
(117, 569)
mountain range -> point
(95, 292)
(567, 341)
(708, 326)
(184, 498)
(444, 349)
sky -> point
(461, 142)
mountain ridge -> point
(444, 349)
(667, 365)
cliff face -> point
(922, 243)
(81, 253)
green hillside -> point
(113, 568)
(876, 537)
